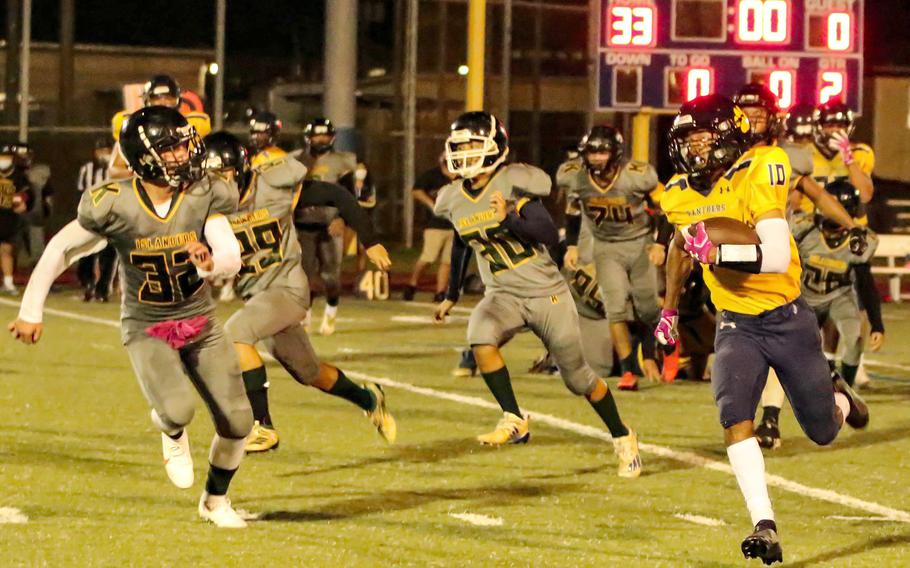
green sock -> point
(606, 409)
(218, 480)
(500, 384)
(849, 372)
(347, 389)
(627, 364)
(255, 381)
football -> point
(723, 230)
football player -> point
(265, 129)
(496, 209)
(274, 287)
(160, 90)
(13, 204)
(158, 221)
(762, 320)
(608, 194)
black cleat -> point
(768, 434)
(409, 292)
(467, 366)
(763, 544)
(859, 412)
(87, 293)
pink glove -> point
(840, 142)
(665, 332)
(178, 333)
(699, 247)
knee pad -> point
(173, 417)
(236, 423)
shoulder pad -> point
(106, 189)
(283, 172)
(861, 147)
(678, 181)
(642, 173)
(528, 179)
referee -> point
(91, 174)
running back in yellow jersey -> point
(826, 170)
(756, 184)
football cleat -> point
(859, 412)
(544, 365)
(768, 434)
(671, 365)
(467, 367)
(227, 293)
(763, 543)
(438, 297)
(628, 382)
(88, 293)
(261, 439)
(409, 292)
(10, 291)
(511, 429)
(380, 416)
(862, 378)
(328, 324)
(178, 462)
(626, 448)
(222, 514)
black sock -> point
(770, 413)
(176, 436)
(332, 300)
(500, 384)
(218, 480)
(848, 372)
(627, 364)
(258, 393)
(606, 409)
(349, 390)
(832, 365)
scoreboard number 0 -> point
(763, 21)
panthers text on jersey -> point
(756, 184)
(506, 263)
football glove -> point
(858, 243)
(840, 142)
(699, 247)
(665, 332)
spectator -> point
(438, 234)
(13, 204)
(40, 201)
(91, 174)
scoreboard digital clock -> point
(661, 53)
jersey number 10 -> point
(777, 173)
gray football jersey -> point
(827, 272)
(264, 226)
(506, 263)
(800, 160)
(327, 167)
(160, 283)
(616, 212)
(586, 292)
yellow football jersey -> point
(756, 184)
(267, 155)
(200, 120)
(826, 170)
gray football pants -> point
(209, 364)
(844, 312)
(554, 319)
(623, 268)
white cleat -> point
(227, 293)
(328, 325)
(219, 512)
(862, 377)
(178, 463)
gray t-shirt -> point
(264, 226)
(160, 283)
(506, 263)
(615, 212)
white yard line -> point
(477, 520)
(864, 519)
(682, 456)
(699, 520)
(12, 516)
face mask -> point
(6, 163)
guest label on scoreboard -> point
(661, 53)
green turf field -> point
(80, 458)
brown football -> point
(723, 230)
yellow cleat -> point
(380, 416)
(626, 449)
(511, 429)
(261, 439)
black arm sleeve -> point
(533, 224)
(325, 194)
(461, 257)
(664, 230)
(868, 296)
(573, 228)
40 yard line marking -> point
(682, 456)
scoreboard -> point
(662, 53)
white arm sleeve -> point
(775, 245)
(225, 248)
(69, 245)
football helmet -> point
(836, 114)
(158, 87)
(224, 151)
(7, 158)
(319, 127)
(602, 138)
(154, 131)
(847, 195)
(756, 95)
(265, 128)
(731, 137)
(799, 124)
(478, 143)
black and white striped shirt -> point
(90, 175)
